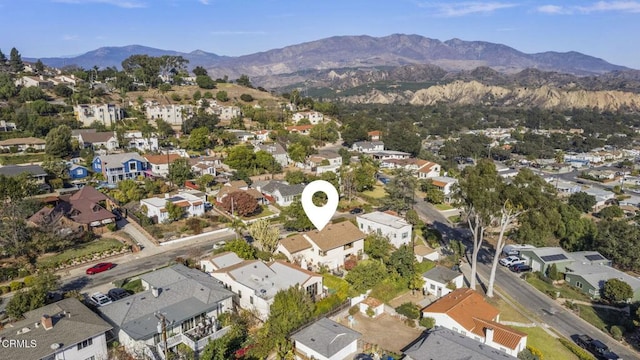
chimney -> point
(47, 322)
(155, 291)
(488, 337)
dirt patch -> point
(415, 298)
(378, 331)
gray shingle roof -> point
(441, 274)
(184, 293)
(15, 170)
(67, 330)
(596, 275)
(441, 343)
(282, 186)
(116, 160)
(326, 337)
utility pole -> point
(162, 328)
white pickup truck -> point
(511, 260)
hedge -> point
(581, 353)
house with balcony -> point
(117, 167)
(105, 114)
(172, 114)
(206, 165)
(184, 302)
(66, 329)
(329, 247)
(136, 140)
(466, 312)
(325, 339)
(256, 283)
(157, 206)
(391, 226)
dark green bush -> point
(581, 353)
(617, 332)
(427, 322)
(408, 309)
(16, 285)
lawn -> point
(454, 219)
(134, 286)
(336, 285)
(443, 207)
(377, 192)
(21, 158)
(265, 212)
(602, 318)
(507, 312)
(566, 291)
(550, 347)
(388, 290)
(83, 250)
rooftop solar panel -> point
(594, 257)
(556, 257)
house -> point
(156, 207)
(262, 135)
(23, 144)
(325, 161)
(465, 311)
(428, 169)
(36, 172)
(219, 261)
(119, 167)
(299, 129)
(205, 165)
(601, 195)
(96, 140)
(446, 185)
(395, 228)
(187, 302)
(314, 117)
(226, 113)
(37, 81)
(374, 135)
(325, 339)
(158, 165)
(280, 192)
(276, 150)
(389, 154)
(256, 283)
(440, 281)
(136, 140)
(329, 247)
(540, 259)
(367, 146)
(105, 114)
(63, 330)
(6, 126)
(590, 279)
(172, 114)
(87, 210)
(442, 343)
(239, 185)
(424, 252)
(373, 305)
(77, 172)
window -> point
(432, 286)
(251, 300)
(239, 294)
(91, 358)
(312, 290)
(348, 246)
(85, 343)
(361, 226)
(454, 329)
(579, 284)
(132, 166)
(405, 235)
(322, 253)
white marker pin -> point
(319, 215)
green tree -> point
(377, 246)
(242, 248)
(265, 234)
(204, 181)
(58, 142)
(199, 71)
(3, 62)
(294, 177)
(15, 61)
(553, 274)
(39, 67)
(8, 88)
(611, 212)
(412, 217)
(616, 290)
(296, 218)
(582, 201)
(403, 262)
(127, 191)
(240, 203)
(365, 174)
(297, 152)
(199, 139)
(35, 296)
(201, 119)
(222, 96)
(400, 192)
(144, 68)
(174, 212)
(205, 82)
(366, 275)
(246, 97)
(62, 90)
(244, 80)
(31, 93)
(180, 171)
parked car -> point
(100, 299)
(117, 293)
(511, 260)
(362, 356)
(355, 211)
(596, 347)
(518, 268)
(219, 245)
(98, 268)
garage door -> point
(535, 266)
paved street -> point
(538, 304)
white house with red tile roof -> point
(300, 129)
(465, 311)
(159, 164)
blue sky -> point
(43, 28)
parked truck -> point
(596, 347)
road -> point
(538, 304)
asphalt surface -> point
(539, 305)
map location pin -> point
(319, 215)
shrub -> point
(428, 322)
(354, 310)
(28, 281)
(350, 263)
(409, 310)
(535, 352)
(246, 97)
(16, 285)
(410, 322)
(526, 354)
(581, 353)
(370, 312)
(112, 227)
(5, 289)
(176, 97)
(616, 332)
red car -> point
(98, 268)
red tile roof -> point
(162, 158)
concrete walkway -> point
(625, 309)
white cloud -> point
(227, 32)
(622, 6)
(204, 2)
(70, 37)
(465, 8)
(127, 4)
(552, 9)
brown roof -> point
(237, 184)
(440, 184)
(469, 309)
(255, 193)
(294, 244)
(374, 133)
(299, 128)
(372, 302)
(162, 158)
(502, 334)
(22, 141)
(335, 235)
(89, 193)
(97, 137)
(463, 305)
(184, 203)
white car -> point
(511, 260)
(100, 299)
